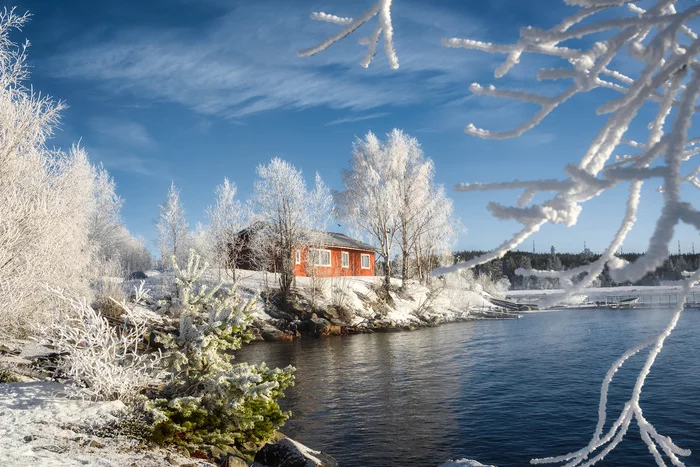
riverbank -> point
(346, 305)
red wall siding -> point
(336, 269)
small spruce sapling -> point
(207, 399)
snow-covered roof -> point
(327, 239)
(343, 241)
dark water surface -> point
(499, 392)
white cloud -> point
(357, 118)
(246, 62)
(130, 133)
(120, 161)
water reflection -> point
(501, 392)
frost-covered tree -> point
(105, 220)
(660, 39)
(390, 196)
(207, 399)
(423, 207)
(436, 234)
(173, 229)
(132, 252)
(226, 218)
(287, 214)
(368, 202)
(320, 206)
(115, 251)
(45, 196)
(201, 241)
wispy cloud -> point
(131, 133)
(357, 118)
(246, 63)
(121, 161)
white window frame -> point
(345, 259)
(362, 265)
(320, 265)
(297, 257)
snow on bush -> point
(103, 362)
(588, 42)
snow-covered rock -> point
(289, 453)
(464, 463)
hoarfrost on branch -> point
(662, 40)
(381, 9)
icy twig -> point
(381, 9)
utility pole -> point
(679, 247)
(533, 247)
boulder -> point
(279, 314)
(321, 327)
(271, 333)
(289, 453)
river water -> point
(500, 392)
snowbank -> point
(415, 305)
(39, 426)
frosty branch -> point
(662, 41)
(381, 9)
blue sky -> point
(195, 91)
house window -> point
(319, 257)
(364, 261)
(297, 256)
(345, 259)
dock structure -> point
(643, 299)
(649, 301)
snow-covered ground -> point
(39, 426)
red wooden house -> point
(336, 255)
(331, 254)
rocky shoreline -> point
(290, 328)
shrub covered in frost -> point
(207, 398)
(104, 362)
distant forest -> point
(672, 269)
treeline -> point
(389, 198)
(672, 269)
